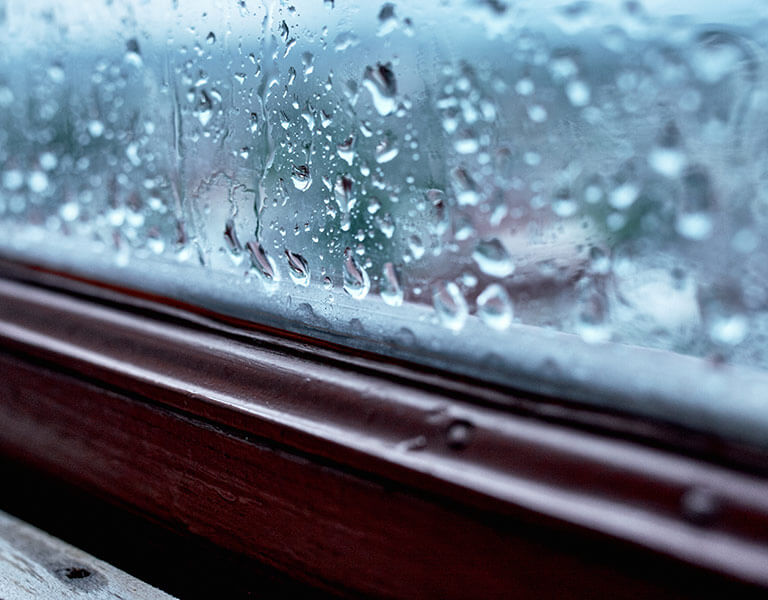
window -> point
(550, 209)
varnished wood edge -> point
(479, 455)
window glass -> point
(559, 196)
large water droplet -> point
(356, 280)
(381, 83)
(205, 108)
(95, 128)
(231, 238)
(450, 305)
(132, 53)
(465, 187)
(346, 150)
(494, 307)
(715, 57)
(391, 292)
(298, 269)
(37, 181)
(493, 259)
(262, 262)
(301, 177)
(387, 19)
(342, 192)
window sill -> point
(362, 475)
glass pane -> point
(566, 197)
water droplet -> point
(578, 93)
(564, 205)
(263, 263)
(524, 87)
(694, 226)
(715, 57)
(537, 113)
(695, 221)
(592, 323)
(356, 280)
(729, 329)
(700, 506)
(204, 108)
(374, 206)
(391, 292)
(231, 238)
(466, 143)
(69, 211)
(37, 181)
(386, 225)
(382, 85)
(465, 187)
(301, 177)
(342, 192)
(307, 60)
(346, 150)
(623, 196)
(416, 246)
(48, 161)
(95, 128)
(345, 40)
(13, 180)
(132, 53)
(450, 305)
(387, 19)
(56, 73)
(284, 31)
(494, 307)
(459, 434)
(493, 259)
(669, 162)
(745, 241)
(667, 157)
(211, 38)
(298, 268)
(132, 152)
(415, 443)
(386, 150)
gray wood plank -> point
(35, 565)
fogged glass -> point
(519, 190)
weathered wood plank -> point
(35, 565)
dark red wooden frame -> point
(359, 474)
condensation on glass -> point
(562, 196)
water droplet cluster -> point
(595, 168)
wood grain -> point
(35, 565)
